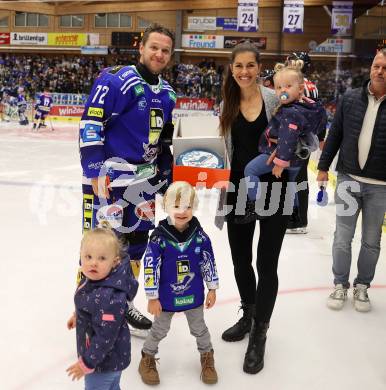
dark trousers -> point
(272, 232)
(303, 195)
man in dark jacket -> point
(359, 133)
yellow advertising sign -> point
(67, 39)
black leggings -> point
(240, 238)
(272, 231)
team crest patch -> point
(139, 90)
(145, 210)
(142, 104)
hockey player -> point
(120, 131)
(21, 107)
(42, 108)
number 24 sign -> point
(247, 18)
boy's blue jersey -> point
(123, 118)
(175, 271)
(44, 103)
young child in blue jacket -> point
(289, 137)
(178, 260)
(103, 336)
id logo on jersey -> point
(183, 269)
(156, 122)
(91, 132)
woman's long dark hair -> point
(231, 90)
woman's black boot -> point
(254, 357)
(238, 331)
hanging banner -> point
(27, 38)
(200, 41)
(293, 16)
(67, 39)
(226, 24)
(341, 18)
(247, 15)
(201, 23)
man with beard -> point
(124, 151)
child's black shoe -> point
(250, 214)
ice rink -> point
(308, 345)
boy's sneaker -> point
(208, 371)
(136, 319)
(337, 298)
(361, 299)
(148, 370)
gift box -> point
(200, 133)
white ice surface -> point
(308, 346)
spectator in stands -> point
(358, 132)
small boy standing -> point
(178, 259)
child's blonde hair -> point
(106, 233)
(293, 66)
(180, 192)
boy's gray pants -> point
(161, 326)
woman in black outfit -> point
(246, 109)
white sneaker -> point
(337, 298)
(300, 230)
(361, 299)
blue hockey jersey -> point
(122, 121)
(44, 103)
(176, 265)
